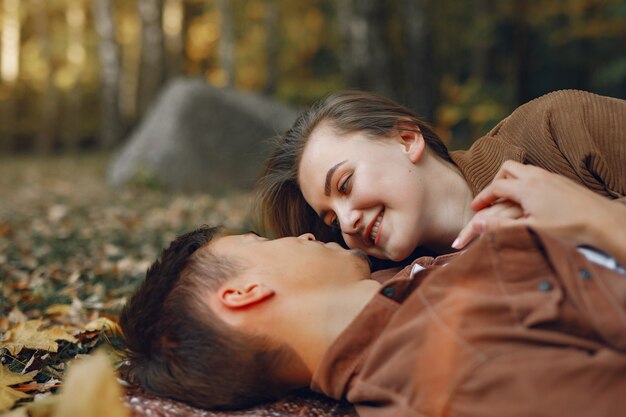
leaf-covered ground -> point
(71, 251)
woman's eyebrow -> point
(329, 175)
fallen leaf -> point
(27, 335)
(60, 309)
(91, 390)
(37, 386)
(106, 324)
(8, 396)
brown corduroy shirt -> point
(520, 324)
(574, 133)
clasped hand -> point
(525, 194)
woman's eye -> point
(335, 223)
(345, 184)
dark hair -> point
(280, 209)
(180, 349)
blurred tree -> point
(364, 55)
(418, 70)
(9, 66)
(152, 64)
(272, 45)
(75, 56)
(110, 121)
(173, 25)
(227, 42)
(127, 34)
(50, 100)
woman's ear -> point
(412, 140)
(240, 297)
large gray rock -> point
(198, 137)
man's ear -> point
(235, 297)
(412, 140)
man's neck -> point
(327, 316)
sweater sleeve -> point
(574, 133)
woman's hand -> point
(551, 202)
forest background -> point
(80, 74)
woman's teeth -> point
(374, 231)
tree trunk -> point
(76, 59)
(110, 122)
(521, 53)
(419, 57)
(152, 65)
(271, 27)
(173, 19)
(48, 128)
(227, 41)
(480, 47)
(9, 68)
(365, 54)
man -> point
(519, 324)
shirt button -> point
(389, 292)
(544, 286)
(584, 274)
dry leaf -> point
(60, 309)
(8, 396)
(40, 408)
(106, 324)
(27, 335)
(91, 390)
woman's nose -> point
(307, 236)
(350, 220)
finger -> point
(477, 225)
(468, 233)
(508, 189)
(491, 223)
(516, 169)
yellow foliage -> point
(8, 396)
(28, 335)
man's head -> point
(223, 321)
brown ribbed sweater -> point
(574, 133)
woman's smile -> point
(374, 228)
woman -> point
(370, 169)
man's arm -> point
(551, 202)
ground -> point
(71, 251)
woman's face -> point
(369, 188)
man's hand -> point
(551, 202)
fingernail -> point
(456, 242)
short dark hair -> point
(179, 348)
(280, 207)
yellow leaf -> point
(40, 408)
(108, 325)
(27, 335)
(60, 309)
(8, 396)
(91, 390)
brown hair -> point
(180, 349)
(280, 209)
